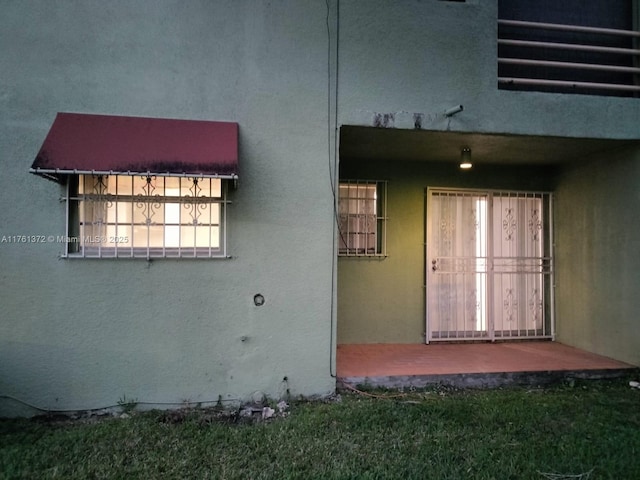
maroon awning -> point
(83, 143)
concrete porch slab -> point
(471, 364)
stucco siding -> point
(597, 255)
(431, 55)
(78, 334)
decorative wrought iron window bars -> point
(147, 216)
(362, 206)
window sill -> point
(148, 254)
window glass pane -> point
(86, 212)
(109, 219)
(139, 236)
(111, 211)
(343, 205)
(96, 212)
(188, 188)
(204, 210)
(87, 230)
(193, 213)
(172, 213)
(148, 212)
(124, 184)
(202, 236)
(172, 236)
(110, 234)
(359, 224)
(172, 186)
(215, 237)
(124, 211)
(123, 237)
(85, 186)
(144, 186)
(214, 210)
(139, 215)
(173, 193)
(216, 188)
(188, 236)
(111, 183)
(156, 236)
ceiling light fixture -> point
(465, 158)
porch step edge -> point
(485, 380)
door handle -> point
(434, 265)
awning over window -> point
(83, 143)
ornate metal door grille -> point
(489, 265)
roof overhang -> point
(373, 143)
(107, 144)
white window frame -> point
(362, 220)
(145, 216)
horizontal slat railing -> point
(569, 46)
(584, 66)
(537, 48)
(568, 28)
(568, 83)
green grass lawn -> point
(589, 428)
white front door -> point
(488, 265)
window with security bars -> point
(362, 220)
(146, 216)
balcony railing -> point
(568, 58)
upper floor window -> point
(362, 218)
(573, 46)
(145, 216)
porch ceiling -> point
(371, 143)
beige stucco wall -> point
(598, 255)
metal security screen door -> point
(489, 265)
